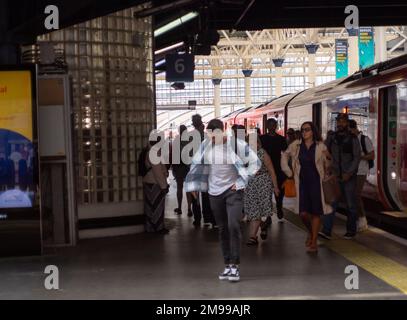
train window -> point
(355, 105)
(298, 115)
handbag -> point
(290, 190)
(332, 191)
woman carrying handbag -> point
(309, 158)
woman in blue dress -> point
(310, 163)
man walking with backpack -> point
(345, 151)
(275, 144)
(366, 163)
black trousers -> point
(280, 198)
(228, 209)
(279, 201)
(206, 209)
(202, 208)
(281, 178)
(196, 210)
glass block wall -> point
(111, 64)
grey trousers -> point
(359, 188)
(227, 209)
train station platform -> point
(185, 265)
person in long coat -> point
(310, 165)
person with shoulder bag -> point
(309, 158)
(156, 188)
(365, 165)
(345, 152)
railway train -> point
(376, 98)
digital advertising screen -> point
(17, 152)
(20, 216)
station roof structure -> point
(22, 19)
(192, 25)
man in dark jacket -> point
(204, 209)
(275, 144)
(346, 153)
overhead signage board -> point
(366, 47)
(180, 67)
(341, 58)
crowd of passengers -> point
(319, 174)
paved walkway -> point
(185, 265)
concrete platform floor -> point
(185, 265)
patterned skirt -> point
(258, 196)
(154, 206)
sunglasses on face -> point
(306, 130)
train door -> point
(389, 140)
(402, 145)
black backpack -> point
(142, 168)
(363, 142)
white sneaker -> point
(362, 224)
(225, 275)
(234, 274)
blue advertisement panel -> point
(341, 58)
(366, 47)
(20, 220)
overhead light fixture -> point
(174, 46)
(174, 24)
(160, 9)
(160, 63)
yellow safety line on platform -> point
(386, 269)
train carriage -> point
(377, 99)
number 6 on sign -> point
(180, 67)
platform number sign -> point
(180, 67)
